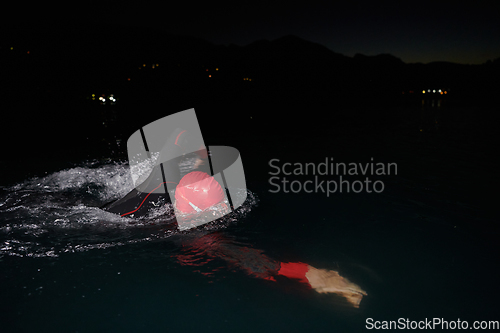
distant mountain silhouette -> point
(87, 56)
(287, 85)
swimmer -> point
(254, 262)
(153, 192)
(199, 196)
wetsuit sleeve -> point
(295, 270)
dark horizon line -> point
(101, 26)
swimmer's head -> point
(196, 192)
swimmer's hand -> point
(198, 162)
(327, 281)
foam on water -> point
(59, 213)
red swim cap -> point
(199, 189)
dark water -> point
(425, 247)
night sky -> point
(420, 31)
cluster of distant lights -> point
(152, 66)
(434, 91)
(104, 99)
(210, 75)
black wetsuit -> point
(154, 191)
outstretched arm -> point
(323, 281)
(257, 264)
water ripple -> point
(56, 214)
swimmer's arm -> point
(323, 281)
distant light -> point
(28, 52)
(439, 90)
(445, 92)
(93, 95)
(217, 69)
(210, 76)
(423, 91)
(128, 79)
(156, 65)
(249, 79)
(206, 70)
(11, 48)
(434, 91)
(429, 90)
(153, 66)
(143, 65)
(411, 91)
